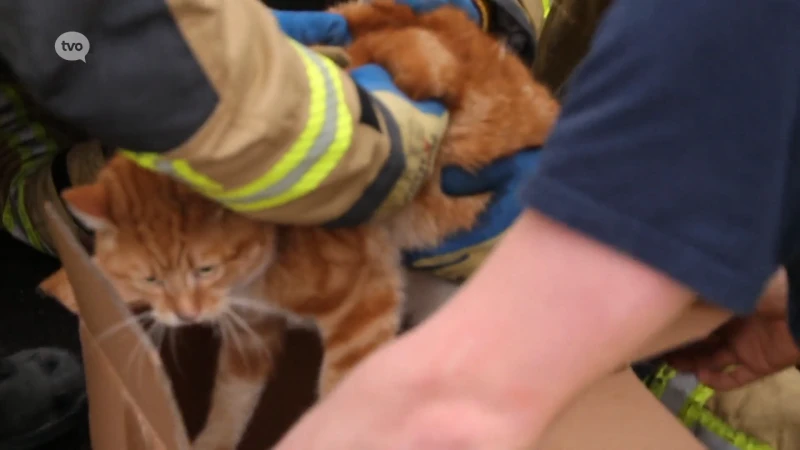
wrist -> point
(464, 369)
(518, 338)
(451, 406)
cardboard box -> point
(141, 400)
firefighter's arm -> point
(214, 93)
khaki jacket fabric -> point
(213, 92)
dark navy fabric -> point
(679, 142)
(140, 87)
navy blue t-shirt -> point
(679, 144)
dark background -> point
(29, 320)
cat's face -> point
(185, 275)
(164, 247)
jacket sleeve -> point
(213, 93)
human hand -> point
(744, 349)
(459, 255)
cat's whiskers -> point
(148, 328)
(219, 328)
(250, 305)
(133, 320)
(139, 347)
(158, 332)
(231, 333)
(173, 348)
(238, 320)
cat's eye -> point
(151, 280)
(205, 270)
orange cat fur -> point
(190, 260)
(496, 107)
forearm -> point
(215, 94)
(548, 313)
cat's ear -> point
(90, 204)
(58, 287)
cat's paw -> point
(432, 77)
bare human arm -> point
(683, 183)
(548, 313)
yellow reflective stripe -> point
(8, 219)
(328, 113)
(546, 7)
(32, 159)
(695, 402)
(146, 160)
(298, 151)
(33, 235)
(201, 182)
(311, 158)
(695, 415)
(661, 380)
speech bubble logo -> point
(72, 46)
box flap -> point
(126, 352)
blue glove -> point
(326, 28)
(468, 6)
(314, 27)
(510, 20)
(459, 255)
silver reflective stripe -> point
(678, 390)
(322, 141)
(677, 396)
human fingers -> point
(695, 356)
(775, 297)
(728, 379)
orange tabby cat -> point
(192, 261)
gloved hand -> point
(314, 27)
(460, 254)
(475, 9)
(327, 28)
